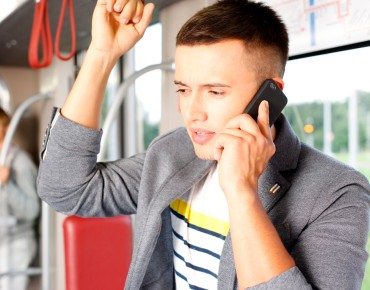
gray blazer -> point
(321, 210)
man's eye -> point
(182, 91)
(216, 93)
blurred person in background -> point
(19, 208)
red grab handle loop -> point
(59, 30)
(40, 27)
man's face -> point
(215, 84)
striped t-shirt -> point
(200, 223)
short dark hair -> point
(255, 24)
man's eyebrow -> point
(179, 83)
(204, 85)
(219, 85)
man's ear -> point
(279, 82)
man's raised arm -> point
(116, 28)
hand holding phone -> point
(270, 92)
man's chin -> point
(203, 154)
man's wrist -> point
(246, 197)
(104, 60)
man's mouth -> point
(201, 136)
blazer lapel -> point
(183, 180)
(272, 185)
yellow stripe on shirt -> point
(199, 219)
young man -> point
(19, 208)
(227, 202)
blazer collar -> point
(287, 145)
(184, 179)
(272, 185)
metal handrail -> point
(14, 123)
(28, 272)
(121, 94)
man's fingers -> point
(114, 5)
(231, 137)
(245, 123)
(119, 5)
(217, 154)
(139, 12)
(124, 11)
(146, 18)
(263, 119)
(127, 12)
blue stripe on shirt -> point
(214, 234)
(190, 285)
(196, 268)
(191, 246)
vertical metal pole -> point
(327, 128)
(46, 244)
(130, 130)
(4, 228)
(368, 130)
(353, 130)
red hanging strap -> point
(40, 27)
(59, 31)
(41, 32)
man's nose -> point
(196, 109)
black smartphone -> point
(270, 92)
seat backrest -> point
(97, 252)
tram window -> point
(112, 151)
(329, 108)
(329, 104)
(148, 51)
(148, 96)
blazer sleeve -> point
(330, 251)
(72, 182)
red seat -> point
(97, 252)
